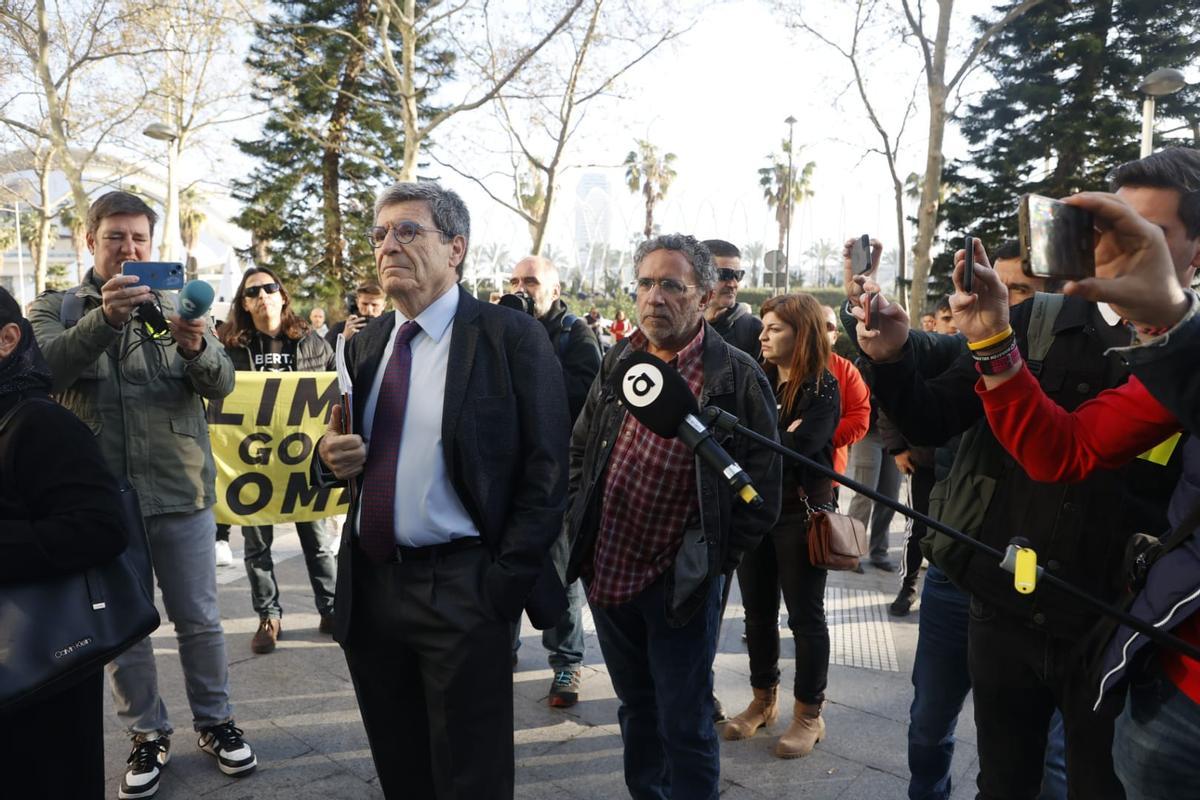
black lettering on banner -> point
(306, 402)
(233, 494)
(217, 415)
(285, 446)
(266, 405)
(259, 456)
(300, 491)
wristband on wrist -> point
(991, 341)
(1000, 362)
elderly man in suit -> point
(459, 455)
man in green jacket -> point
(141, 392)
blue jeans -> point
(941, 682)
(663, 677)
(319, 557)
(1156, 741)
(181, 548)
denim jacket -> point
(728, 528)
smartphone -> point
(1057, 240)
(860, 255)
(158, 275)
(968, 281)
(871, 301)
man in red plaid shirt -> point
(656, 533)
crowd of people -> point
(499, 472)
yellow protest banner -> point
(263, 435)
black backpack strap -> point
(72, 307)
(564, 337)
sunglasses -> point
(726, 274)
(253, 291)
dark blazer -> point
(505, 432)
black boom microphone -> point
(658, 397)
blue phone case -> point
(158, 275)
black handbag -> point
(55, 632)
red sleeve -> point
(1055, 446)
(856, 402)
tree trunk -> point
(408, 92)
(331, 151)
(649, 192)
(927, 212)
(898, 190)
(79, 244)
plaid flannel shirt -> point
(649, 496)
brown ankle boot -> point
(802, 735)
(762, 711)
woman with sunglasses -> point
(262, 334)
(795, 353)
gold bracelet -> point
(991, 341)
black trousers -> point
(781, 562)
(430, 661)
(54, 750)
(1019, 676)
(920, 484)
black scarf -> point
(25, 368)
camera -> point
(518, 301)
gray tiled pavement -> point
(297, 708)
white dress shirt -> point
(428, 511)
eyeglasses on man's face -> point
(727, 274)
(254, 291)
(668, 286)
(403, 231)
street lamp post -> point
(20, 254)
(1159, 83)
(170, 231)
(787, 242)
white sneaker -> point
(224, 554)
(150, 753)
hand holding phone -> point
(157, 275)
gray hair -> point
(692, 249)
(446, 208)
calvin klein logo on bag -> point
(71, 648)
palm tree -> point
(646, 172)
(754, 253)
(191, 220)
(78, 227)
(779, 196)
(821, 251)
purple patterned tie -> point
(377, 528)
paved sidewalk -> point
(297, 708)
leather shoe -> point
(326, 625)
(269, 630)
(884, 565)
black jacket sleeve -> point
(60, 509)
(580, 365)
(1169, 371)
